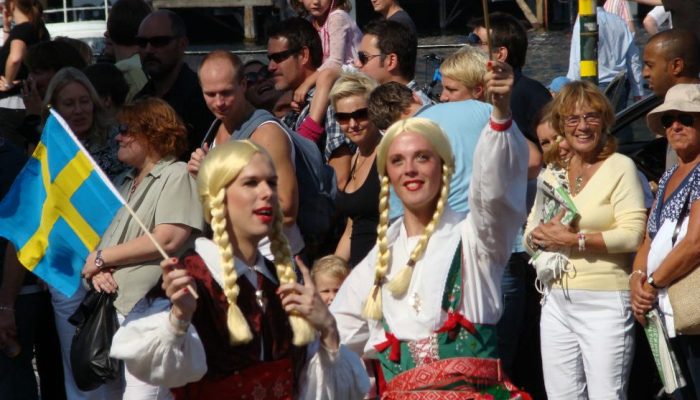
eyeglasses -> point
(357, 115)
(259, 76)
(123, 129)
(592, 118)
(364, 58)
(155, 41)
(282, 55)
(667, 120)
(474, 40)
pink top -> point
(340, 38)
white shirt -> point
(497, 207)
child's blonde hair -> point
(399, 285)
(331, 265)
(219, 169)
(298, 6)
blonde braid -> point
(237, 326)
(303, 331)
(399, 285)
(373, 305)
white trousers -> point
(587, 340)
(63, 308)
(136, 389)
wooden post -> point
(528, 13)
(589, 40)
(248, 23)
(539, 10)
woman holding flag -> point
(164, 196)
(246, 335)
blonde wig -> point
(399, 285)
(219, 169)
(467, 66)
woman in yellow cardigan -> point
(587, 328)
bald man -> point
(671, 57)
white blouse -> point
(487, 232)
(154, 353)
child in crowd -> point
(340, 38)
(328, 273)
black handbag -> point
(96, 323)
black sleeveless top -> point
(362, 206)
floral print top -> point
(671, 208)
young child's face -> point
(327, 287)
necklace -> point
(355, 167)
(134, 185)
(577, 184)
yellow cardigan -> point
(612, 203)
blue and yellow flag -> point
(58, 208)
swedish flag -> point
(58, 207)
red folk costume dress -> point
(209, 367)
(438, 341)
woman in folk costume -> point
(254, 332)
(427, 298)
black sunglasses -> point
(155, 41)
(474, 40)
(667, 120)
(259, 76)
(364, 58)
(357, 115)
(282, 55)
(123, 129)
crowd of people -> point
(425, 276)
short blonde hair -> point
(399, 284)
(467, 66)
(219, 169)
(331, 265)
(352, 83)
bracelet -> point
(179, 326)
(500, 126)
(7, 308)
(581, 242)
(637, 271)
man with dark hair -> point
(509, 43)
(387, 53)
(671, 57)
(391, 102)
(295, 53)
(391, 10)
(123, 23)
(162, 40)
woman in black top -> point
(28, 30)
(358, 199)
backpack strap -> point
(258, 118)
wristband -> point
(500, 126)
(581, 241)
(311, 130)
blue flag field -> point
(58, 208)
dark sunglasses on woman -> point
(358, 115)
(667, 120)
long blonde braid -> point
(373, 305)
(238, 328)
(303, 331)
(399, 285)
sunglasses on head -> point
(364, 58)
(474, 40)
(667, 120)
(357, 115)
(155, 41)
(282, 55)
(259, 76)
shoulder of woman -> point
(621, 162)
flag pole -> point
(487, 26)
(160, 248)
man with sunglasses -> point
(387, 53)
(123, 23)
(261, 92)
(162, 40)
(295, 52)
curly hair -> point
(153, 120)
